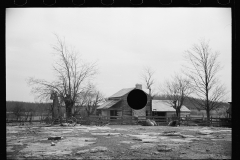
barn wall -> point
(105, 112)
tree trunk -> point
(151, 107)
(208, 116)
(179, 116)
(68, 110)
(52, 110)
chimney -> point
(138, 86)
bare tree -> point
(202, 72)
(72, 75)
(147, 77)
(18, 110)
(176, 90)
(90, 100)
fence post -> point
(211, 120)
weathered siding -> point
(105, 112)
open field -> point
(118, 142)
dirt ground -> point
(118, 142)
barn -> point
(165, 108)
(117, 105)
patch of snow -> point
(62, 147)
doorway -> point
(113, 113)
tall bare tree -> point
(202, 72)
(147, 77)
(176, 90)
(72, 77)
(90, 100)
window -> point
(113, 113)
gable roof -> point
(122, 92)
(108, 104)
(164, 106)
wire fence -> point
(132, 120)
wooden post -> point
(187, 120)
(211, 120)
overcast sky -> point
(122, 40)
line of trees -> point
(199, 79)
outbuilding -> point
(165, 108)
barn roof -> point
(108, 104)
(122, 92)
(165, 106)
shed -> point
(165, 108)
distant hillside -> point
(189, 102)
(39, 107)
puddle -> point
(62, 147)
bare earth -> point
(119, 142)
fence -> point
(131, 120)
(189, 121)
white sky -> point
(122, 40)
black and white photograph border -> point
(119, 83)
